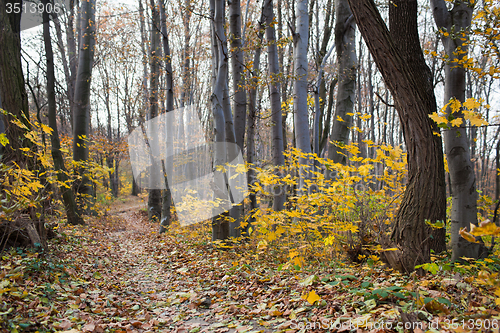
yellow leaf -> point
(340, 119)
(311, 297)
(437, 118)
(46, 129)
(486, 228)
(456, 122)
(471, 104)
(468, 236)
(455, 105)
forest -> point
(249, 166)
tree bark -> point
(457, 147)
(166, 218)
(12, 90)
(81, 126)
(424, 197)
(67, 195)
(220, 225)
(275, 96)
(300, 107)
(403, 29)
(345, 43)
(155, 197)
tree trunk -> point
(12, 90)
(300, 107)
(345, 43)
(155, 197)
(462, 177)
(424, 198)
(251, 125)
(166, 218)
(402, 26)
(81, 126)
(240, 97)
(274, 70)
(220, 225)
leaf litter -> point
(117, 274)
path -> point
(144, 282)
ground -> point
(117, 274)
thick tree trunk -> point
(12, 90)
(402, 26)
(81, 126)
(345, 32)
(462, 177)
(424, 198)
(300, 107)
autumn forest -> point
(249, 166)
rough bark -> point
(12, 90)
(424, 197)
(457, 147)
(402, 26)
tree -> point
(155, 197)
(67, 194)
(167, 194)
(345, 43)
(81, 126)
(277, 131)
(220, 226)
(399, 58)
(455, 24)
(13, 96)
(300, 107)
(239, 96)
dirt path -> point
(159, 286)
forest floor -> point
(117, 274)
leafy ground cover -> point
(117, 274)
